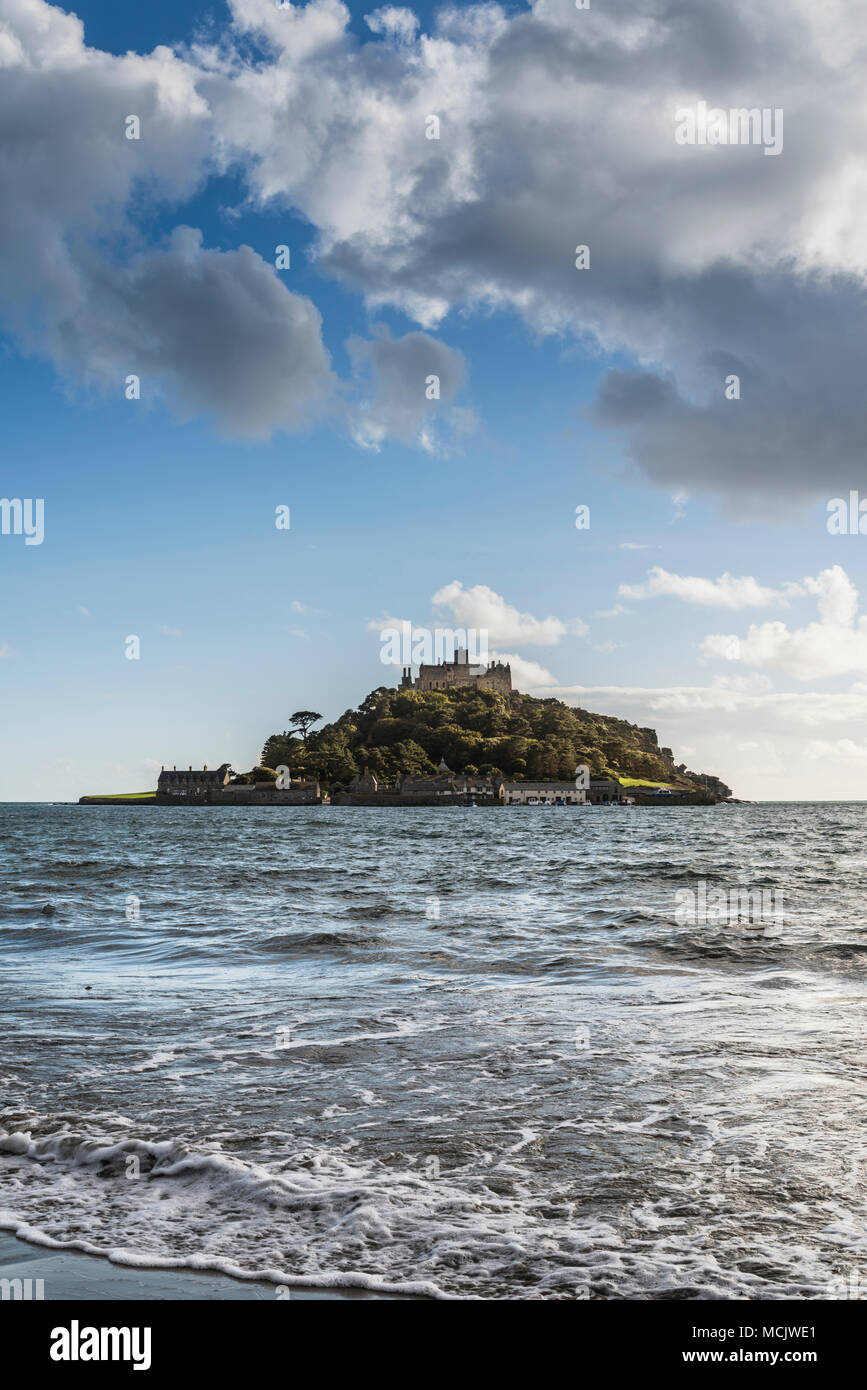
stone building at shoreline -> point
(213, 787)
(196, 784)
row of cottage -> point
(444, 787)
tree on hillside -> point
(332, 759)
(409, 731)
(282, 748)
(304, 719)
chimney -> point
(190, 768)
(205, 768)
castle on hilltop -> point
(446, 675)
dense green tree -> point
(410, 731)
(283, 749)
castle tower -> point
(447, 675)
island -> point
(454, 735)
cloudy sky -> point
(325, 208)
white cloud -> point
(526, 675)
(482, 608)
(397, 375)
(711, 260)
(382, 624)
(212, 332)
(398, 23)
(705, 261)
(804, 709)
(754, 684)
(841, 750)
(704, 726)
(725, 592)
(834, 646)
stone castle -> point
(446, 675)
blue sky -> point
(159, 513)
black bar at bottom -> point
(653, 1337)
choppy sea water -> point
(463, 1052)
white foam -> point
(328, 1219)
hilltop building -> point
(447, 675)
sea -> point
(465, 1052)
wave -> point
(212, 1264)
(206, 1180)
(332, 1220)
(319, 943)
